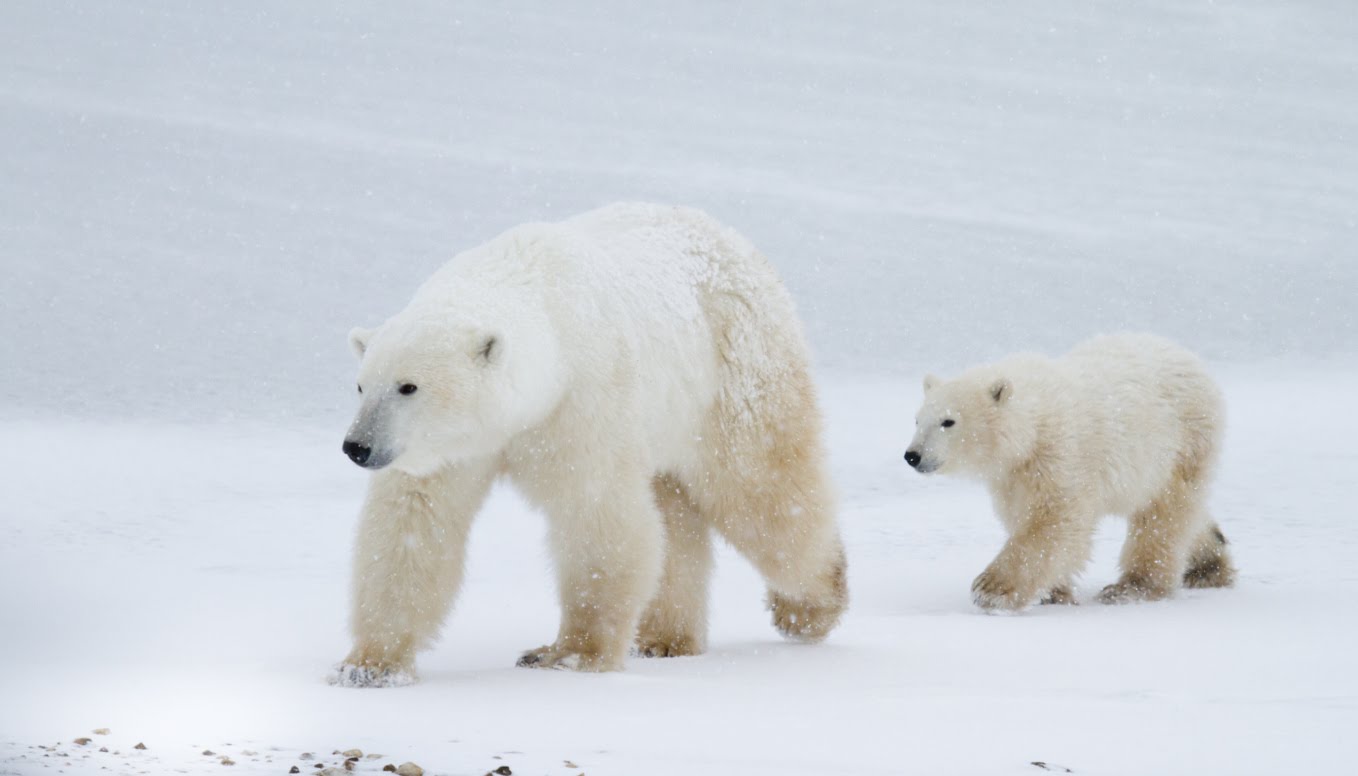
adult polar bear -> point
(640, 374)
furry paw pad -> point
(665, 648)
(992, 591)
(1059, 596)
(350, 675)
(1129, 590)
(560, 660)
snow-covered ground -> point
(185, 587)
(199, 199)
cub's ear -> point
(1000, 390)
(489, 349)
(358, 340)
(930, 382)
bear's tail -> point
(1209, 563)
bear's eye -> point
(360, 389)
(949, 423)
(407, 389)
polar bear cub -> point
(640, 374)
(1127, 425)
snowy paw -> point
(805, 621)
(658, 647)
(562, 659)
(1059, 595)
(1128, 590)
(995, 591)
(351, 675)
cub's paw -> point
(366, 675)
(1130, 589)
(995, 591)
(561, 659)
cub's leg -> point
(1159, 539)
(408, 564)
(1044, 553)
(675, 622)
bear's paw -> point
(351, 675)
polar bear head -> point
(969, 425)
(452, 378)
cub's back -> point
(1151, 406)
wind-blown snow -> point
(198, 201)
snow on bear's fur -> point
(1127, 425)
(640, 374)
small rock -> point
(503, 770)
(82, 741)
(352, 753)
(389, 768)
(209, 753)
(228, 761)
(294, 769)
(248, 753)
(409, 769)
(305, 756)
(103, 748)
(569, 764)
(372, 757)
(101, 731)
(139, 745)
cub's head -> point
(436, 390)
(965, 425)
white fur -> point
(1126, 425)
(647, 383)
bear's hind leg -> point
(1159, 539)
(675, 622)
(786, 528)
(408, 564)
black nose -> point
(356, 452)
(911, 457)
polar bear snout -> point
(358, 453)
(919, 463)
(363, 455)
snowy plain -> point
(198, 200)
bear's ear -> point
(489, 349)
(358, 340)
(930, 382)
(1000, 390)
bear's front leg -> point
(408, 563)
(608, 554)
(1043, 555)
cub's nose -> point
(911, 457)
(356, 452)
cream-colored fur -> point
(639, 373)
(1125, 425)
